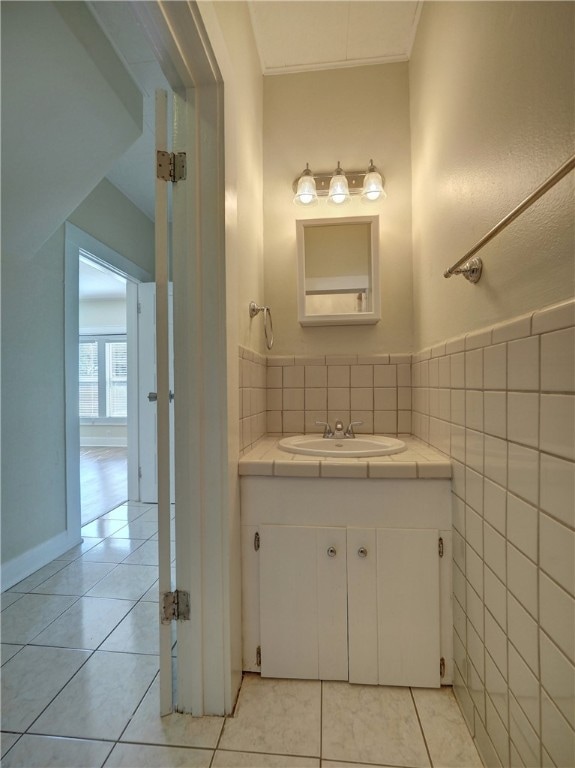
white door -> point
(147, 405)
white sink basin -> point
(366, 445)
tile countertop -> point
(419, 461)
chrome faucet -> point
(338, 431)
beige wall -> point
(350, 115)
(491, 117)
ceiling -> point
(302, 35)
(291, 36)
(97, 282)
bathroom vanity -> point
(347, 566)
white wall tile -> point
(474, 369)
(524, 686)
(495, 413)
(458, 443)
(523, 418)
(494, 505)
(293, 421)
(385, 375)
(494, 551)
(474, 609)
(496, 459)
(474, 530)
(293, 399)
(338, 376)
(385, 398)
(474, 569)
(404, 375)
(362, 398)
(497, 731)
(495, 367)
(522, 579)
(293, 376)
(473, 409)
(274, 377)
(555, 317)
(523, 736)
(367, 418)
(444, 371)
(557, 615)
(315, 376)
(474, 449)
(558, 488)
(558, 736)
(385, 422)
(316, 399)
(338, 399)
(458, 406)
(523, 364)
(558, 361)
(523, 472)
(523, 633)
(404, 425)
(496, 643)
(522, 525)
(557, 552)
(458, 371)
(558, 425)
(474, 490)
(496, 687)
(495, 596)
(361, 375)
(558, 677)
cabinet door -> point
(303, 609)
(362, 605)
(408, 607)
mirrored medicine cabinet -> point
(338, 271)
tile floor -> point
(80, 682)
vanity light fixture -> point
(338, 186)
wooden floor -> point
(103, 480)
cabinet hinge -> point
(259, 656)
(170, 166)
(442, 667)
(440, 547)
(256, 541)
(175, 606)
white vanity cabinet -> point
(337, 588)
(386, 581)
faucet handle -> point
(349, 431)
(327, 432)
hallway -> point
(80, 682)
(103, 480)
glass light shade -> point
(338, 188)
(373, 187)
(306, 193)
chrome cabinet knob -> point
(331, 552)
(362, 552)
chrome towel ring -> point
(255, 309)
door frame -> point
(75, 240)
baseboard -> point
(30, 561)
(103, 442)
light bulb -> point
(306, 192)
(372, 185)
(338, 188)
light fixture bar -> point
(322, 181)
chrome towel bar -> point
(255, 309)
(472, 267)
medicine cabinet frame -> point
(369, 317)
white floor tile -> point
(127, 582)
(138, 632)
(98, 702)
(7, 740)
(145, 554)
(87, 543)
(130, 755)
(111, 550)
(31, 680)
(39, 576)
(132, 510)
(152, 595)
(450, 743)
(370, 724)
(9, 597)
(224, 759)
(74, 579)
(277, 716)
(9, 650)
(337, 764)
(176, 730)
(52, 752)
(136, 529)
(150, 516)
(85, 624)
(102, 528)
(22, 621)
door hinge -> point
(139, 307)
(256, 541)
(442, 667)
(139, 473)
(259, 656)
(440, 546)
(175, 606)
(170, 166)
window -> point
(103, 379)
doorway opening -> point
(102, 387)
